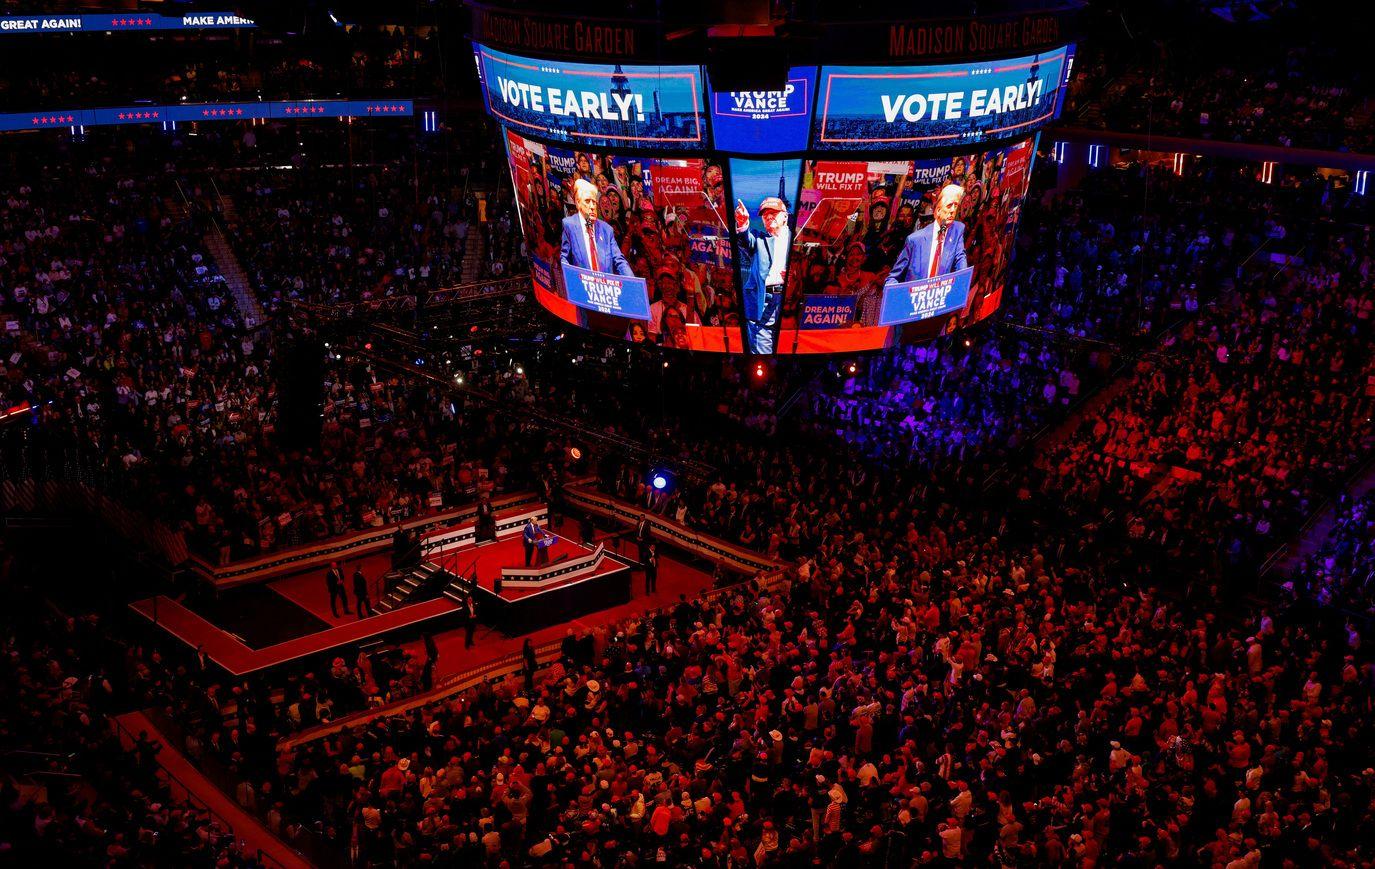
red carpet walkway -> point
(224, 649)
(185, 779)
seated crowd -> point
(63, 72)
(83, 793)
(1027, 667)
(175, 395)
(1228, 432)
(1286, 80)
(330, 235)
(946, 674)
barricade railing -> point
(189, 796)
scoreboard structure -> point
(831, 204)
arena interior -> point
(751, 433)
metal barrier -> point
(260, 855)
(312, 849)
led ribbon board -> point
(890, 108)
(183, 112)
(593, 104)
(121, 22)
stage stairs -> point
(412, 585)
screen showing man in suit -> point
(938, 247)
(922, 246)
(588, 241)
(638, 245)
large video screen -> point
(632, 247)
(592, 104)
(868, 108)
(900, 250)
(768, 121)
(846, 209)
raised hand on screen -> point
(742, 216)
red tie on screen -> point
(940, 242)
(592, 247)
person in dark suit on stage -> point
(588, 241)
(763, 258)
(486, 520)
(936, 249)
(334, 581)
(431, 658)
(528, 538)
(360, 591)
(651, 561)
(470, 621)
(642, 536)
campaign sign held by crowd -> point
(926, 298)
(607, 293)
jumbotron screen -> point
(857, 208)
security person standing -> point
(360, 591)
(334, 582)
(651, 561)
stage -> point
(578, 580)
(250, 628)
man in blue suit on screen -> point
(763, 258)
(937, 249)
(589, 242)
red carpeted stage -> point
(250, 628)
(577, 580)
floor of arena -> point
(256, 627)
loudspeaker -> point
(300, 392)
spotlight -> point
(759, 370)
(968, 343)
(520, 370)
(852, 368)
(458, 378)
(574, 453)
(661, 479)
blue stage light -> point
(660, 482)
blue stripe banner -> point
(122, 22)
(185, 112)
